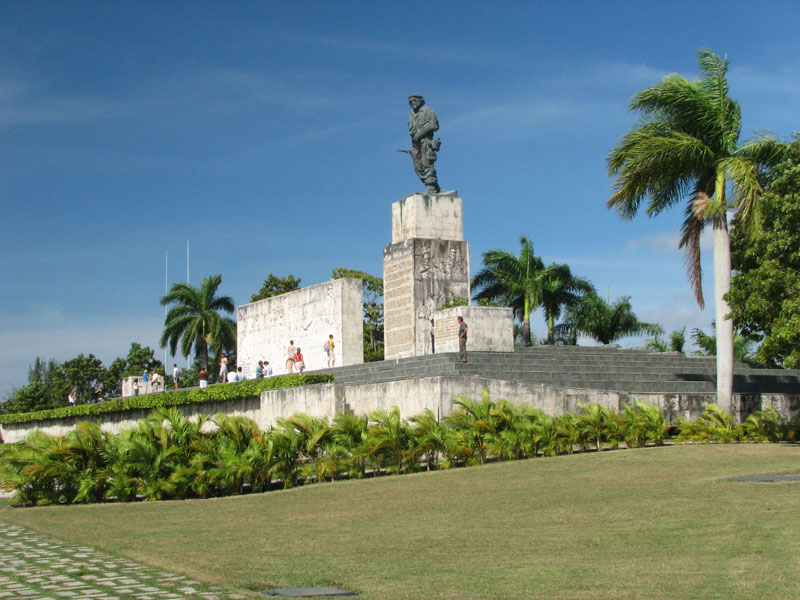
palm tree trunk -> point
(526, 324)
(204, 355)
(551, 337)
(722, 284)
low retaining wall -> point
(412, 397)
(116, 422)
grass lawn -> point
(648, 523)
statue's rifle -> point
(406, 152)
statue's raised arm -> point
(422, 124)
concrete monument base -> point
(433, 216)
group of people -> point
(263, 369)
(294, 358)
(155, 379)
(232, 375)
(95, 396)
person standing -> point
(298, 361)
(240, 374)
(136, 387)
(260, 370)
(329, 348)
(223, 367)
(462, 339)
(202, 376)
(433, 347)
(290, 352)
(154, 379)
(267, 369)
(73, 397)
(176, 374)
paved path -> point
(35, 567)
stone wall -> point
(413, 396)
(488, 328)
(307, 316)
(419, 275)
(116, 422)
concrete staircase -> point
(607, 368)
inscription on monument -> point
(419, 276)
(398, 281)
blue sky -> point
(265, 134)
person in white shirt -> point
(233, 376)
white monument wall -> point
(307, 316)
(489, 328)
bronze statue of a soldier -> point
(422, 124)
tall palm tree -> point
(512, 281)
(195, 319)
(685, 147)
(559, 289)
(606, 322)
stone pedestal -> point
(429, 217)
(427, 263)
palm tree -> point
(194, 320)
(390, 441)
(677, 339)
(512, 281)
(685, 147)
(606, 322)
(707, 344)
(559, 289)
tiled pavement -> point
(35, 567)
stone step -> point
(510, 368)
(604, 368)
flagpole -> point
(166, 291)
(189, 357)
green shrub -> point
(643, 423)
(168, 456)
(714, 425)
(229, 391)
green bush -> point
(229, 391)
(167, 456)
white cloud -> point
(197, 94)
(613, 75)
(783, 80)
(666, 243)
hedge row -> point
(228, 391)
